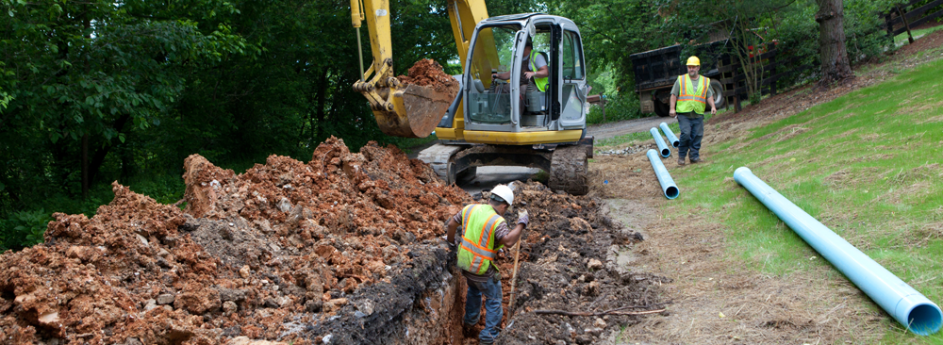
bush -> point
(23, 229)
(618, 108)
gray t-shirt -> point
(540, 61)
(676, 89)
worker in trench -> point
(485, 232)
(692, 93)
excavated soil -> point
(427, 72)
(344, 249)
(567, 263)
(338, 249)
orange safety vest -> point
(688, 100)
(478, 248)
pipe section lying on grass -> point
(905, 304)
(662, 147)
(668, 185)
(670, 135)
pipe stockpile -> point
(662, 147)
(670, 135)
(905, 304)
(668, 185)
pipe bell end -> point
(741, 171)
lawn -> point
(867, 165)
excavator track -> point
(569, 170)
(566, 165)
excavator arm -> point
(407, 110)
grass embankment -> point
(867, 165)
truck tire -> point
(718, 90)
(661, 109)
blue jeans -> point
(492, 293)
(692, 131)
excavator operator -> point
(533, 61)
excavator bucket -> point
(419, 101)
(418, 110)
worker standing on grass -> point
(484, 232)
(692, 93)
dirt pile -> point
(340, 249)
(427, 72)
(567, 263)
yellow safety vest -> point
(541, 82)
(689, 101)
(478, 247)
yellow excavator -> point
(491, 121)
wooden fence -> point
(904, 16)
(778, 66)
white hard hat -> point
(503, 192)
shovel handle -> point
(517, 255)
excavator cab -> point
(506, 123)
(494, 105)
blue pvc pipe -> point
(670, 135)
(662, 147)
(668, 185)
(901, 301)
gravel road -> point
(611, 129)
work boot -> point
(695, 160)
(680, 160)
(468, 330)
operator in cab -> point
(534, 72)
(484, 232)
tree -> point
(82, 75)
(612, 30)
(832, 51)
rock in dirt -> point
(165, 299)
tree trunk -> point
(86, 175)
(321, 97)
(98, 158)
(832, 51)
(85, 166)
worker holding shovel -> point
(484, 232)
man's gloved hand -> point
(523, 218)
(445, 239)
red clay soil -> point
(427, 72)
(289, 251)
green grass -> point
(902, 38)
(862, 164)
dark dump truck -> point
(657, 70)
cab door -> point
(572, 74)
